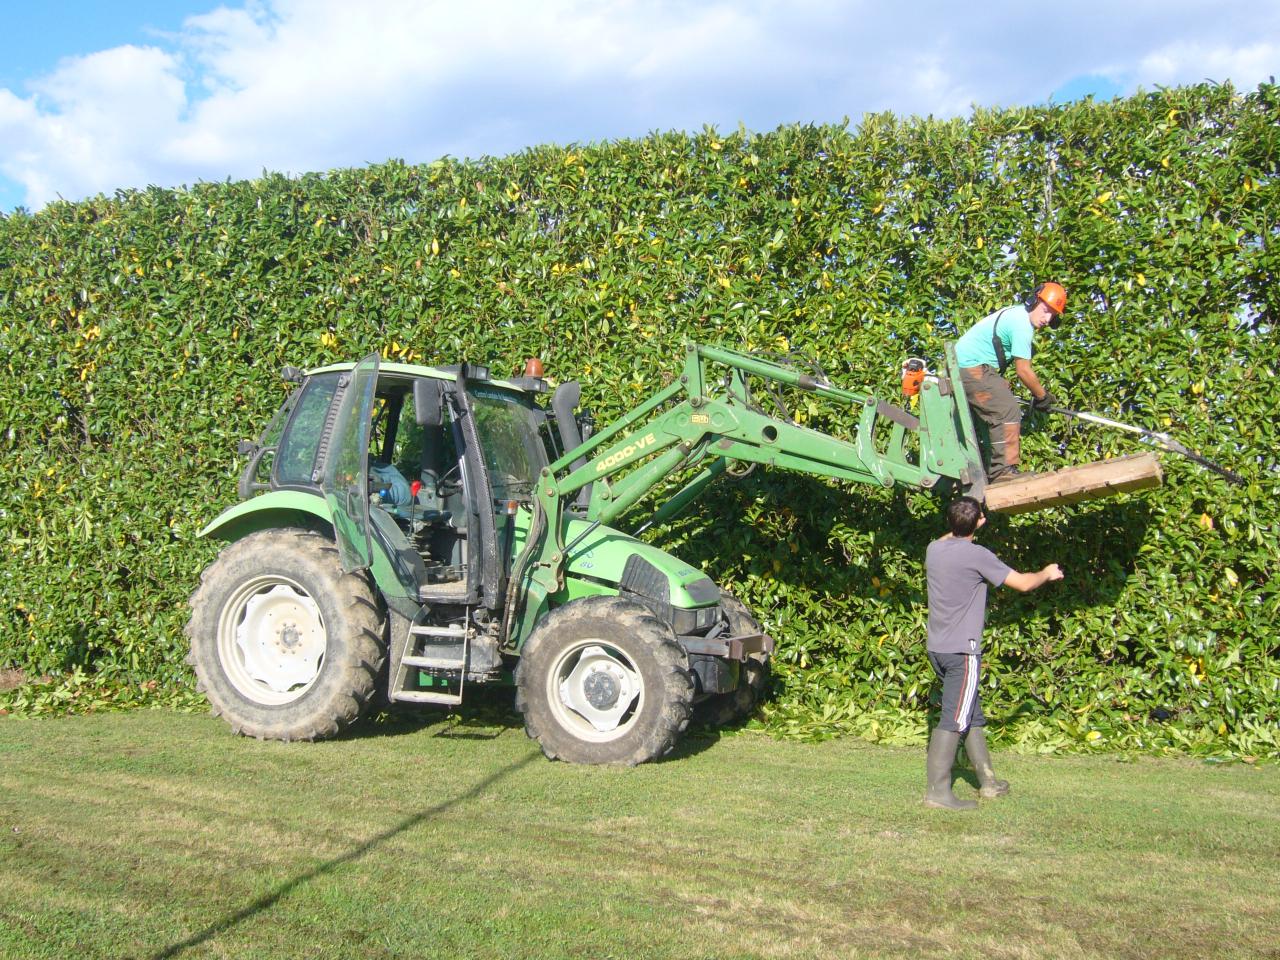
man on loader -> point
(986, 350)
(957, 571)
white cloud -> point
(1192, 61)
(300, 85)
(91, 124)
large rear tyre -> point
(284, 644)
(602, 680)
(720, 709)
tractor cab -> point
(428, 473)
(426, 477)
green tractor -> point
(406, 531)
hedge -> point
(142, 334)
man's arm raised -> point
(1026, 582)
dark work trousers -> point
(959, 674)
(991, 399)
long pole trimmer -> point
(1163, 439)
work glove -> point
(1045, 403)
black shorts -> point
(959, 673)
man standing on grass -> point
(958, 571)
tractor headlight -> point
(694, 621)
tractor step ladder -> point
(443, 649)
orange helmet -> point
(1053, 296)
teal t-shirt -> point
(1015, 330)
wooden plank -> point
(1089, 481)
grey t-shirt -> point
(958, 572)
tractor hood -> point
(610, 556)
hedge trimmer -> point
(1163, 439)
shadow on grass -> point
(269, 900)
(487, 719)
(691, 743)
(487, 714)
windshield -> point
(512, 445)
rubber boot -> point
(942, 754)
(975, 745)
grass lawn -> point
(156, 834)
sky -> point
(98, 96)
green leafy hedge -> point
(142, 335)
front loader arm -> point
(702, 417)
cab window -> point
(296, 457)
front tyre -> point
(602, 680)
(284, 644)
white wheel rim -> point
(271, 640)
(595, 692)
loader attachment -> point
(715, 415)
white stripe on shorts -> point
(969, 693)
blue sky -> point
(48, 32)
(99, 96)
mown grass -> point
(155, 834)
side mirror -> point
(427, 397)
